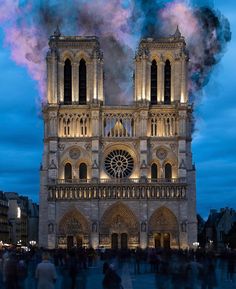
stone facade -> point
(117, 176)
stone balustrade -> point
(60, 190)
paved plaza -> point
(91, 278)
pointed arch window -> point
(82, 82)
(67, 82)
(168, 172)
(83, 171)
(154, 82)
(68, 172)
(154, 172)
(167, 84)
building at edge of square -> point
(117, 176)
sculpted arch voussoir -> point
(119, 209)
(81, 224)
(163, 219)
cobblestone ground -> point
(92, 277)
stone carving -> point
(182, 164)
(50, 228)
(173, 147)
(143, 227)
(52, 165)
(87, 146)
(61, 147)
(161, 154)
(94, 227)
(74, 153)
(95, 165)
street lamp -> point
(195, 245)
(32, 243)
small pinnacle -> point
(177, 32)
(57, 32)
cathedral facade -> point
(117, 176)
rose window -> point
(119, 164)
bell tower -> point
(75, 70)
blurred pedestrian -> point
(46, 273)
(10, 272)
(21, 274)
(73, 268)
(111, 279)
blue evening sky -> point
(214, 142)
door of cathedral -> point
(124, 241)
(114, 241)
(79, 242)
(158, 240)
(70, 242)
(166, 240)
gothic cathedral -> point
(117, 176)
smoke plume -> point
(119, 24)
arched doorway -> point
(158, 240)
(120, 226)
(70, 242)
(73, 230)
(124, 241)
(163, 229)
(166, 240)
(114, 241)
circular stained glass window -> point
(119, 164)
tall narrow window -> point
(154, 172)
(154, 82)
(168, 172)
(68, 172)
(82, 82)
(67, 82)
(153, 127)
(83, 171)
(167, 86)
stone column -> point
(100, 81)
(144, 78)
(172, 89)
(49, 79)
(95, 81)
(138, 80)
(183, 97)
(54, 79)
(61, 81)
(148, 80)
(95, 133)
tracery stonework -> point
(118, 177)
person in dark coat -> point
(73, 268)
(11, 272)
(111, 279)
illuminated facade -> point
(117, 176)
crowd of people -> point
(175, 269)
